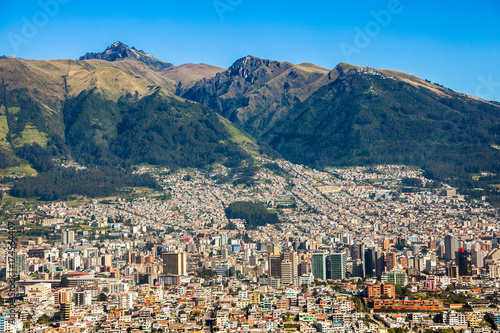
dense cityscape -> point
(363, 249)
(249, 166)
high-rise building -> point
(248, 252)
(275, 266)
(252, 261)
(369, 261)
(464, 262)
(63, 295)
(82, 298)
(452, 270)
(286, 272)
(319, 265)
(358, 269)
(338, 265)
(395, 277)
(175, 263)
(390, 261)
(379, 262)
(19, 265)
(107, 260)
(68, 236)
(273, 250)
(291, 256)
(65, 311)
(223, 239)
(357, 251)
(126, 301)
(304, 268)
(450, 247)
(478, 257)
(224, 253)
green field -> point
(17, 170)
(237, 136)
(4, 129)
(76, 203)
(29, 135)
(14, 109)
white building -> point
(454, 318)
(37, 293)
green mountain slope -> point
(354, 115)
(106, 115)
(365, 118)
(113, 113)
(123, 107)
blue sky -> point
(453, 43)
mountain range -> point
(124, 107)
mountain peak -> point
(246, 65)
(119, 51)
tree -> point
(102, 297)
(149, 246)
(207, 273)
(398, 289)
(64, 282)
(43, 319)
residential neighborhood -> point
(365, 249)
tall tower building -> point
(319, 265)
(223, 239)
(390, 261)
(275, 266)
(175, 263)
(304, 268)
(286, 272)
(224, 253)
(82, 298)
(338, 265)
(107, 260)
(65, 311)
(379, 262)
(369, 261)
(464, 263)
(19, 265)
(478, 257)
(273, 250)
(68, 236)
(248, 252)
(292, 257)
(450, 247)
